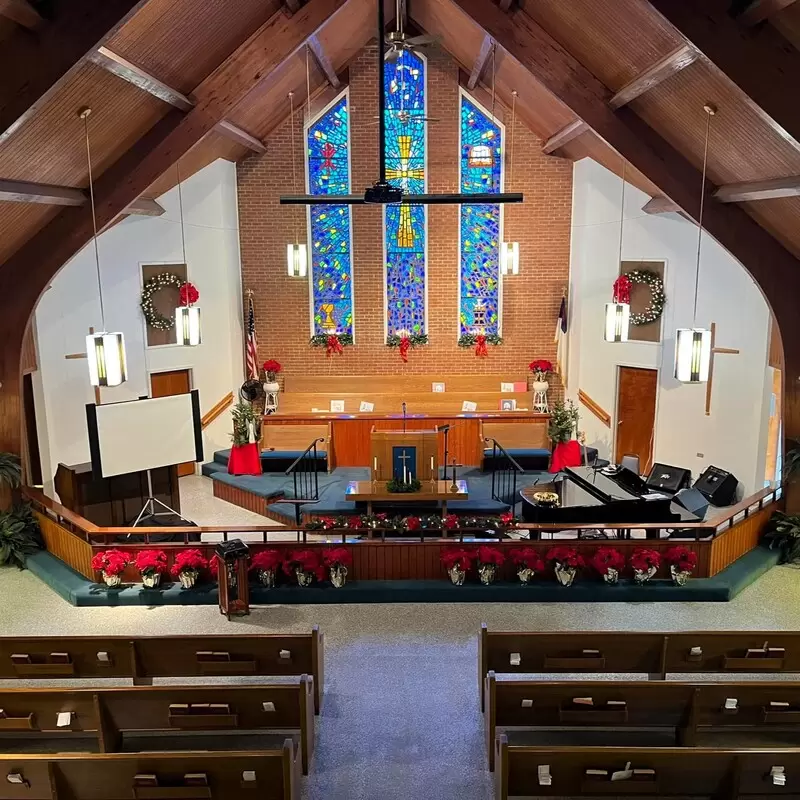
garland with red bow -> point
(480, 342)
(405, 341)
(334, 343)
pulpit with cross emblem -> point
(404, 455)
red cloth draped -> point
(333, 345)
(245, 460)
(622, 289)
(566, 454)
(480, 346)
(405, 346)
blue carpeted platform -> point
(78, 591)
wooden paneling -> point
(738, 540)
(636, 414)
(20, 221)
(29, 360)
(239, 497)
(781, 218)
(65, 545)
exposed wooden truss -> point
(760, 10)
(227, 128)
(759, 190)
(566, 134)
(660, 205)
(678, 59)
(23, 13)
(292, 6)
(323, 61)
(482, 59)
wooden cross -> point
(71, 356)
(715, 351)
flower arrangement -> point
(645, 564)
(337, 560)
(271, 369)
(186, 567)
(112, 564)
(265, 564)
(413, 523)
(152, 564)
(450, 522)
(305, 565)
(566, 561)
(608, 562)
(456, 561)
(397, 486)
(528, 563)
(489, 560)
(682, 562)
(540, 368)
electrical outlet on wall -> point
(700, 455)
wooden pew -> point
(653, 654)
(658, 772)
(278, 439)
(143, 658)
(266, 774)
(108, 714)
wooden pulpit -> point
(234, 590)
(404, 454)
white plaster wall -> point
(71, 306)
(733, 436)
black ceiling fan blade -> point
(483, 198)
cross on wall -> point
(715, 351)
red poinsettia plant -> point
(644, 559)
(566, 556)
(606, 558)
(304, 560)
(682, 558)
(151, 562)
(490, 555)
(450, 522)
(268, 560)
(507, 518)
(413, 523)
(188, 561)
(188, 294)
(112, 562)
(456, 557)
(337, 556)
(540, 368)
(271, 369)
(527, 558)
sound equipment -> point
(694, 501)
(628, 479)
(665, 478)
(718, 486)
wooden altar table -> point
(375, 492)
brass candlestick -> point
(454, 485)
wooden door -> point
(165, 384)
(636, 414)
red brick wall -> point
(541, 225)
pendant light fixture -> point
(187, 315)
(509, 251)
(693, 345)
(618, 312)
(296, 253)
(105, 352)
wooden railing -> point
(214, 412)
(595, 408)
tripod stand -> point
(149, 508)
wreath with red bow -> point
(479, 341)
(655, 308)
(334, 343)
(187, 292)
(405, 341)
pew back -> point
(295, 438)
(512, 436)
(370, 384)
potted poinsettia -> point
(528, 563)
(337, 560)
(456, 561)
(450, 522)
(186, 567)
(265, 564)
(152, 564)
(111, 563)
(305, 565)
(645, 564)
(565, 561)
(608, 563)
(682, 562)
(489, 560)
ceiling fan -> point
(382, 192)
(399, 40)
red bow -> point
(622, 289)
(188, 294)
(333, 345)
(480, 346)
(405, 346)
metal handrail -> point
(504, 480)
(313, 446)
(308, 478)
(502, 449)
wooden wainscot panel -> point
(67, 546)
(739, 539)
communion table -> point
(404, 455)
(376, 492)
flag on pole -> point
(560, 340)
(252, 346)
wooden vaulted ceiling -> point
(565, 60)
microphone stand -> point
(445, 429)
(404, 416)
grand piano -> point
(587, 495)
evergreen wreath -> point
(321, 339)
(393, 340)
(151, 286)
(655, 308)
(470, 339)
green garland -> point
(396, 486)
(655, 307)
(321, 339)
(469, 339)
(415, 339)
(154, 318)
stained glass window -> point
(328, 161)
(404, 89)
(481, 171)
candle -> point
(431, 463)
(375, 463)
(405, 474)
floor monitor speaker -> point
(693, 501)
(718, 485)
(665, 478)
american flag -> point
(561, 341)
(252, 346)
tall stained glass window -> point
(328, 167)
(404, 89)
(481, 171)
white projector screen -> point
(144, 434)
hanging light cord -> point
(494, 74)
(84, 113)
(308, 88)
(622, 210)
(710, 111)
(183, 231)
(291, 147)
(513, 128)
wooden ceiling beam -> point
(505, 5)
(23, 13)
(482, 59)
(763, 67)
(237, 134)
(566, 134)
(33, 66)
(678, 59)
(146, 207)
(759, 190)
(660, 205)
(323, 61)
(760, 10)
(292, 6)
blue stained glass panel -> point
(405, 226)
(328, 160)
(481, 169)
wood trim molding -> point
(214, 412)
(596, 409)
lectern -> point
(404, 455)
(234, 590)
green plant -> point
(396, 486)
(19, 535)
(783, 533)
(10, 470)
(791, 460)
(563, 421)
(244, 415)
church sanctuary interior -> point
(399, 398)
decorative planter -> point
(271, 390)
(188, 578)
(112, 580)
(540, 397)
(679, 576)
(151, 580)
(266, 577)
(611, 576)
(338, 575)
(304, 578)
(564, 574)
(487, 573)
(525, 575)
(457, 575)
(643, 575)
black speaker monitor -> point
(718, 486)
(693, 501)
(665, 478)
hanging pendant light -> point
(693, 345)
(296, 252)
(105, 352)
(187, 315)
(618, 312)
(509, 251)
